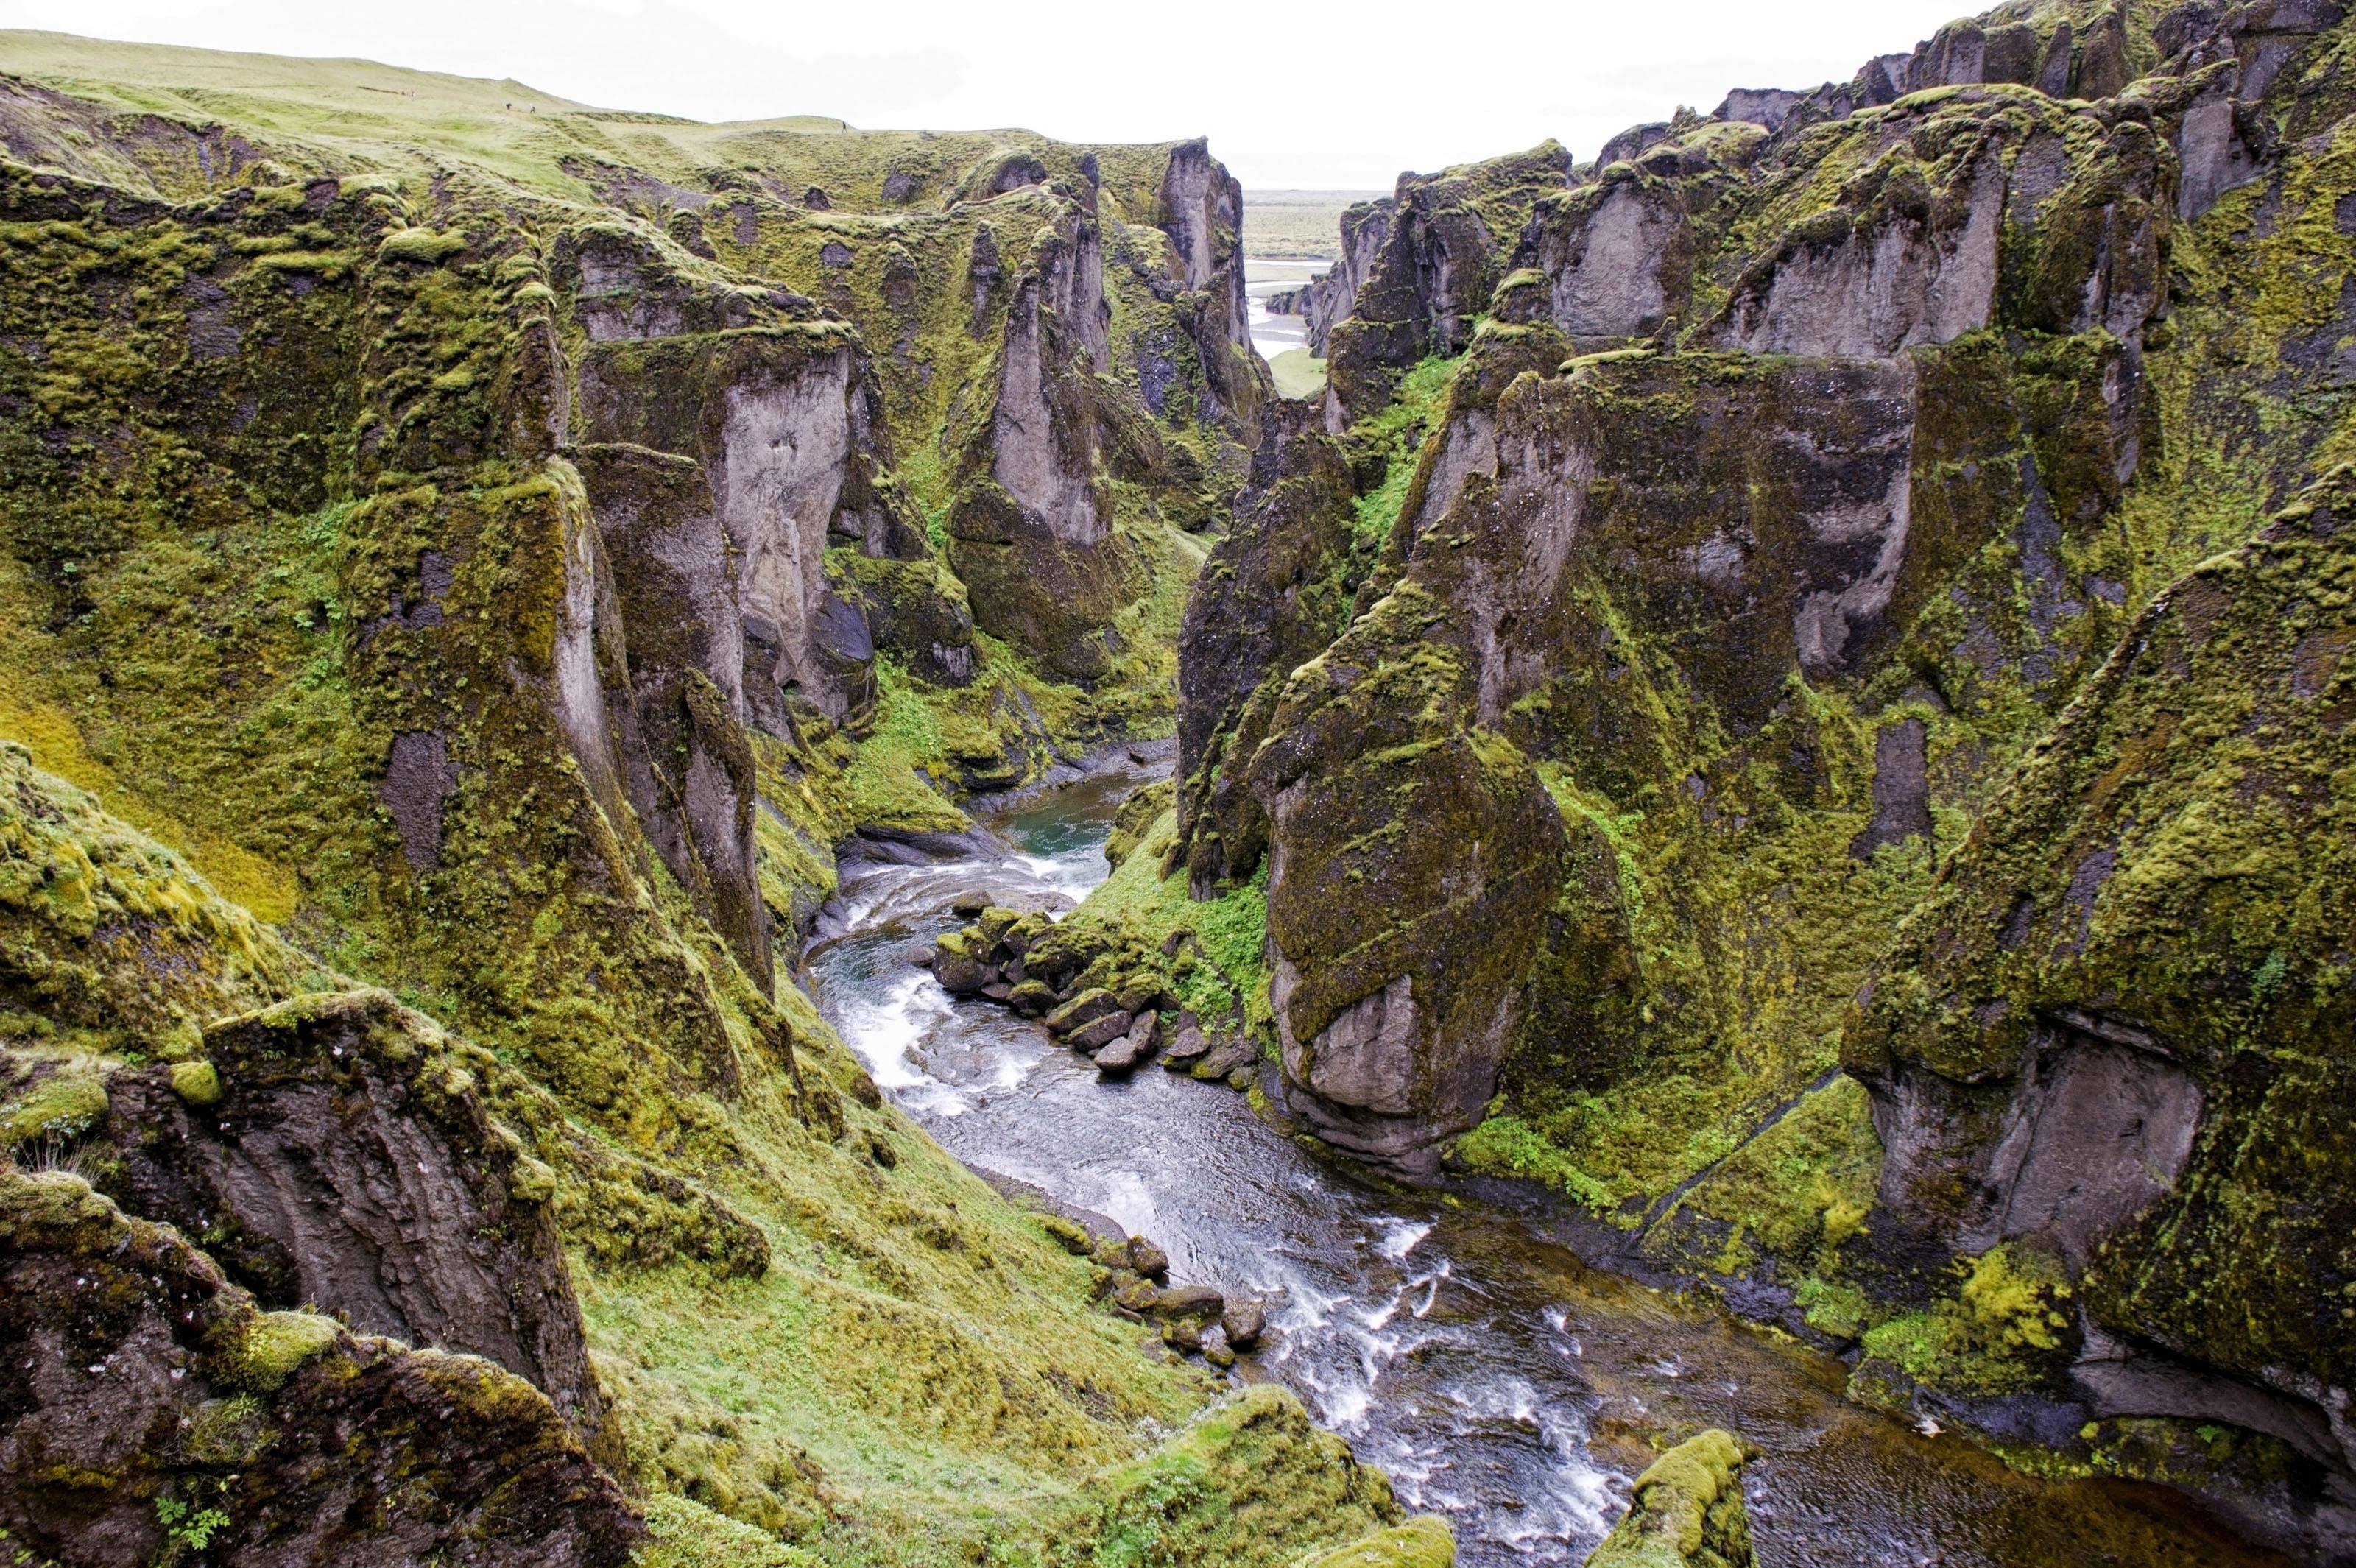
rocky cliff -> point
(1748, 573)
(468, 564)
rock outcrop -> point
(1032, 533)
(2107, 1035)
(1448, 236)
(338, 1151)
(150, 1406)
(1331, 296)
(1271, 594)
(1805, 512)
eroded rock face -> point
(1616, 257)
(1271, 596)
(343, 1156)
(1381, 794)
(2106, 1033)
(1450, 236)
(678, 709)
(1200, 206)
(776, 427)
(1843, 289)
(1332, 297)
(135, 1373)
(1031, 533)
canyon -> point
(726, 844)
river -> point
(1273, 335)
(1462, 1346)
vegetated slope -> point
(501, 555)
(1735, 576)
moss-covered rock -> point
(1450, 236)
(1249, 1484)
(1687, 1512)
(2110, 1026)
(156, 1406)
(1422, 1542)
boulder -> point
(1094, 1035)
(1030, 997)
(1230, 1055)
(1141, 994)
(1189, 1048)
(962, 977)
(1086, 1007)
(1197, 1302)
(1244, 1322)
(1122, 1056)
(1423, 1542)
(1131, 1049)
(1148, 1259)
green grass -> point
(1298, 225)
(405, 126)
(1138, 907)
(1298, 373)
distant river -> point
(1273, 335)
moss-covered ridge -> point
(851, 1271)
(519, 589)
(2143, 934)
(1813, 460)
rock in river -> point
(1094, 1035)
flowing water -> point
(1272, 334)
(1463, 1347)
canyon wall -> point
(468, 565)
(1760, 603)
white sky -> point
(1337, 96)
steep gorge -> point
(1789, 691)
(1795, 549)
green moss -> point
(195, 1082)
(1687, 1512)
(1423, 1542)
(1999, 1332)
(60, 1107)
(685, 1534)
(275, 1345)
(1210, 954)
(1796, 1191)
(1247, 1485)
(1504, 1145)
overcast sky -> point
(1340, 96)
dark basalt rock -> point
(343, 1156)
(2104, 1033)
(1132, 1050)
(1269, 597)
(1449, 236)
(1099, 1033)
(135, 1373)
